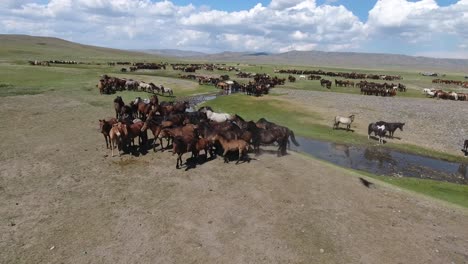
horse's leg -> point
(226, 160)
(107, 144)
(240, 155)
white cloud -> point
(282, 25)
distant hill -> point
(342, 60)
(174, 52)
(23, 47)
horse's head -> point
(400, 126)
(351, 117)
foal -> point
(232, 145)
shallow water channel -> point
(375, 159)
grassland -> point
(78, 82)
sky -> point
(434, 28)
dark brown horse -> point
(118, 104)
(105, 127)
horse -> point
(379, 131)
(167, 90)
(179, 147)
(343, 120)
(218, 117)
(118, 104)
(232, 145)
(465, 147)
(105, 126)
(263, 123)
(391, 127)
(101, 86)
(116, 134)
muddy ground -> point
(64, 200)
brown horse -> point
(101, 86)
(232, 145)
(105, 127)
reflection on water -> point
(383, 161)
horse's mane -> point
(240, 118)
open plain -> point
(63, 199)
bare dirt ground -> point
(62, 200)
(431, 123)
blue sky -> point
(436, 28)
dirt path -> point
(63, 201)
(431, 123)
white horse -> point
(302, 77)
(429, 92)
(343, 120)
(145, 86)
(453, 95)
(167, 90)
(218, 117)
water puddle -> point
(384, 161)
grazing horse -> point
(465, 146)
(118, 104)
(391, 127)
(167, 90)
(379, 131)
(343, 120)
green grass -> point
(445, 191)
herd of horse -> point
(205, 129)
(440, 94)
(346, 75)
(109, 85)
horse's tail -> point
(369, 128)
(293, 139)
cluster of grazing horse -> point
(344, 83)
(382, 89)
(40, 63)
(451, 82)
(440, 94)
(109, 85)
(347, 75)
(189, 131)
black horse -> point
(379, 131)
(391, 127)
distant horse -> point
(391, 127)
(343, 120)
(379, 131)
(465, 147)
(167, 90)
(118, 104)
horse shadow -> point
(193, 162)
(343, 128)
